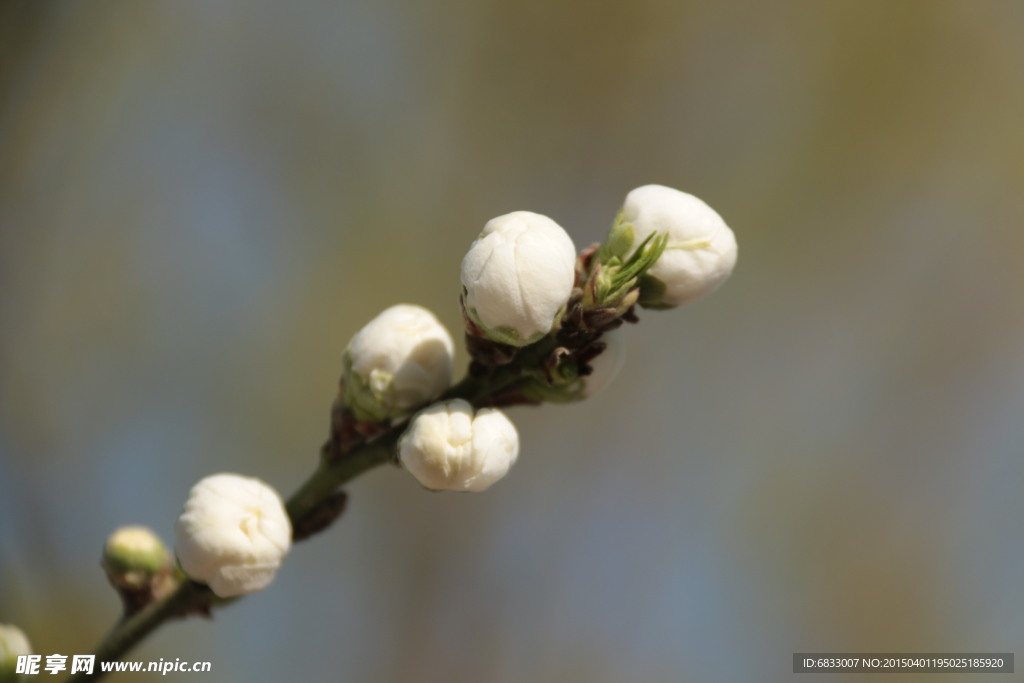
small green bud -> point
(133, 556)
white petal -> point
(701, 250)
(233, 534)
(405, 355)
(518, 276)
(449, 447)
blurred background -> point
(200, 202)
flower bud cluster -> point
(539, 314)
(541, 325)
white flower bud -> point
(517, 277)
(701, 249)
(12, 644)
(233, 534)
(607, 365)
(399, 361)
(449, 448)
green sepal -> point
(613, 278)
(365, 402)
(558, 382)
(539, 390)
(507, 335)
(652, 292)
(620, 240)
(123, 559)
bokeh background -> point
(200, 202)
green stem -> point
(331, 474)
(191, 598)
(130, 630)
